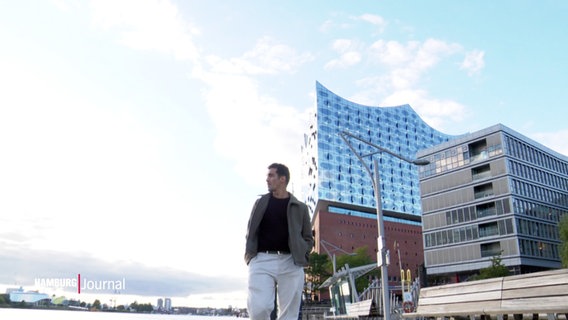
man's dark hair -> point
(281, 170)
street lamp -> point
(381, 243)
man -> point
(278, 243)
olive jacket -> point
(300, 238)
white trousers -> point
(268, 272)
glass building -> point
(492, 193)
(335, 174)
(339, 191)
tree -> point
(358, 258)
(497, 269)
(97, 304)
(563, 230)
(318, 270)
(4, 299)
(141, 307)
(145, 307)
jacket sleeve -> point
(307, 233)
(251, 240)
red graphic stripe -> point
(79, 283)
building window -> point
(488, 229)
(478, 150)
(481, 172)
(490, 249)
(485, 210)
(482, 191)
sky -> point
(135, 135)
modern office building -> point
(489, 193)
(339, 191)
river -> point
(36, 314)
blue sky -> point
(135, 135)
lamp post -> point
(382, 252)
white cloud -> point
(77, 167)
(267, 57)
(402, 67)
(65, 5)
(393, 53)
(557, 141)
(432, 51)
(336, 24)
(438, 113)
(339, 23)
(473, 62)
(404, 78)
(276, 57)
(252, 128)
(375, 20)
(141, 281)
(406, 63)
(346, 59)
(349, 54)
(326, 26)
(151, 25)
(342, 45)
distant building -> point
(168, 304)
(492, 192)
(33, 297)
(160, 304)
(339, 192)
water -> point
(33, 314)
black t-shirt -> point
(273, 229)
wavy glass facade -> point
(335, 174)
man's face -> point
(274, 182)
